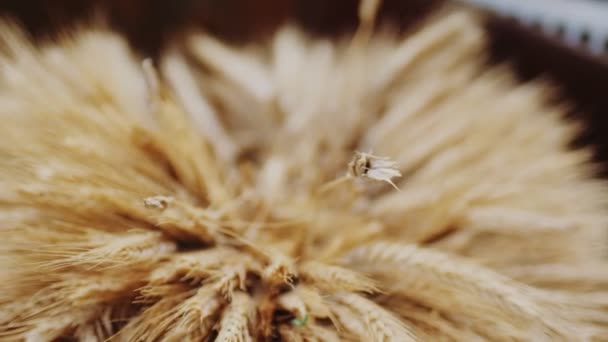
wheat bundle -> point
(248, 193)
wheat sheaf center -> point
(254, 260)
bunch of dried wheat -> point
(210, 202)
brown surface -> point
(583, 80)
(149, 23)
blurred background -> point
(149, 25)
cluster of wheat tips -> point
(374, 187)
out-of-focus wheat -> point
(206, 201)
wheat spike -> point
(234, 326)
(380, 325)
(207, 199)
(334, 278)
(194, 318)
(513, 304)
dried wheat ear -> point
(191, 203)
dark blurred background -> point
(150, 24)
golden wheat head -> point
(240, 193)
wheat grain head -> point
(186, 204)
